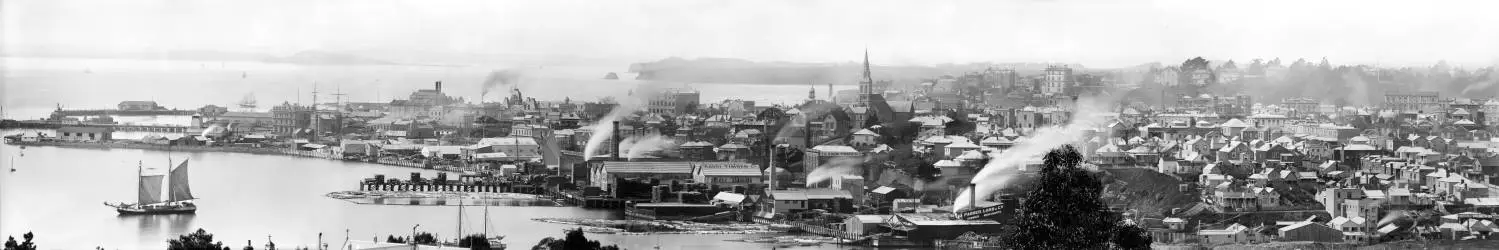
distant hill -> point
(730, 70)
(326, 58)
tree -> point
(198, 240)
(10, 243)
(393, 239)
(1064, 211)
(474, 242)
(573, 241)
(425, 238)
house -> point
(84, 134)
(1310, 231)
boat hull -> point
(156, 209)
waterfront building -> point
(727, 174)
(604, 175)
(1310, 231)
(515, 148)
(138, 106)
(84, 134)
(288, 119)
(428, 103)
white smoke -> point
(603, 128)
(845, 166)
(1004, 166)
(640, 146)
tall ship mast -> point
(148, 193)
(248, 102)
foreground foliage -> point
(1064, 212)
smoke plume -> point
(1004, 166)
(641, 146)
(844, 166)
(627, 104)
(500, 78)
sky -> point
(1094, 33)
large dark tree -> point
(1064, 211)
(474, 242)
(10, 243)
(573, 241)
(198, 240)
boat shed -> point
(927, 228)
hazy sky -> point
(1095, 33)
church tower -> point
(866, 84)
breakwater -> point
(322, 154)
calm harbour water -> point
(57, 193)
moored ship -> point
(148, 198)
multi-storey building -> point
(1168, 76)
(287, 118)
(1413, 102)
(1301, 106)
(675, 102)
(1059, 80)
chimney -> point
(973, 196)
(438, 86)
(616, 141)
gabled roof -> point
(648, 167)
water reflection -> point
(154, 228)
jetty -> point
(99, 112)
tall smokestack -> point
(973, 196)
(616, 141)
(438, 86)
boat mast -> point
(460, 219)
(138, 172)
(486, 219)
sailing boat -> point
(149, 200)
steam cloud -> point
(844, 166)
(1004, 166)
(639, 146)
(603, 130)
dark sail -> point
(150, 190)
(179, 190)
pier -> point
(99, 112)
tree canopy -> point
(1064, 211)
(198, 240)
(573, 241)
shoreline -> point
(243, 150)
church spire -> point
(867, 76)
